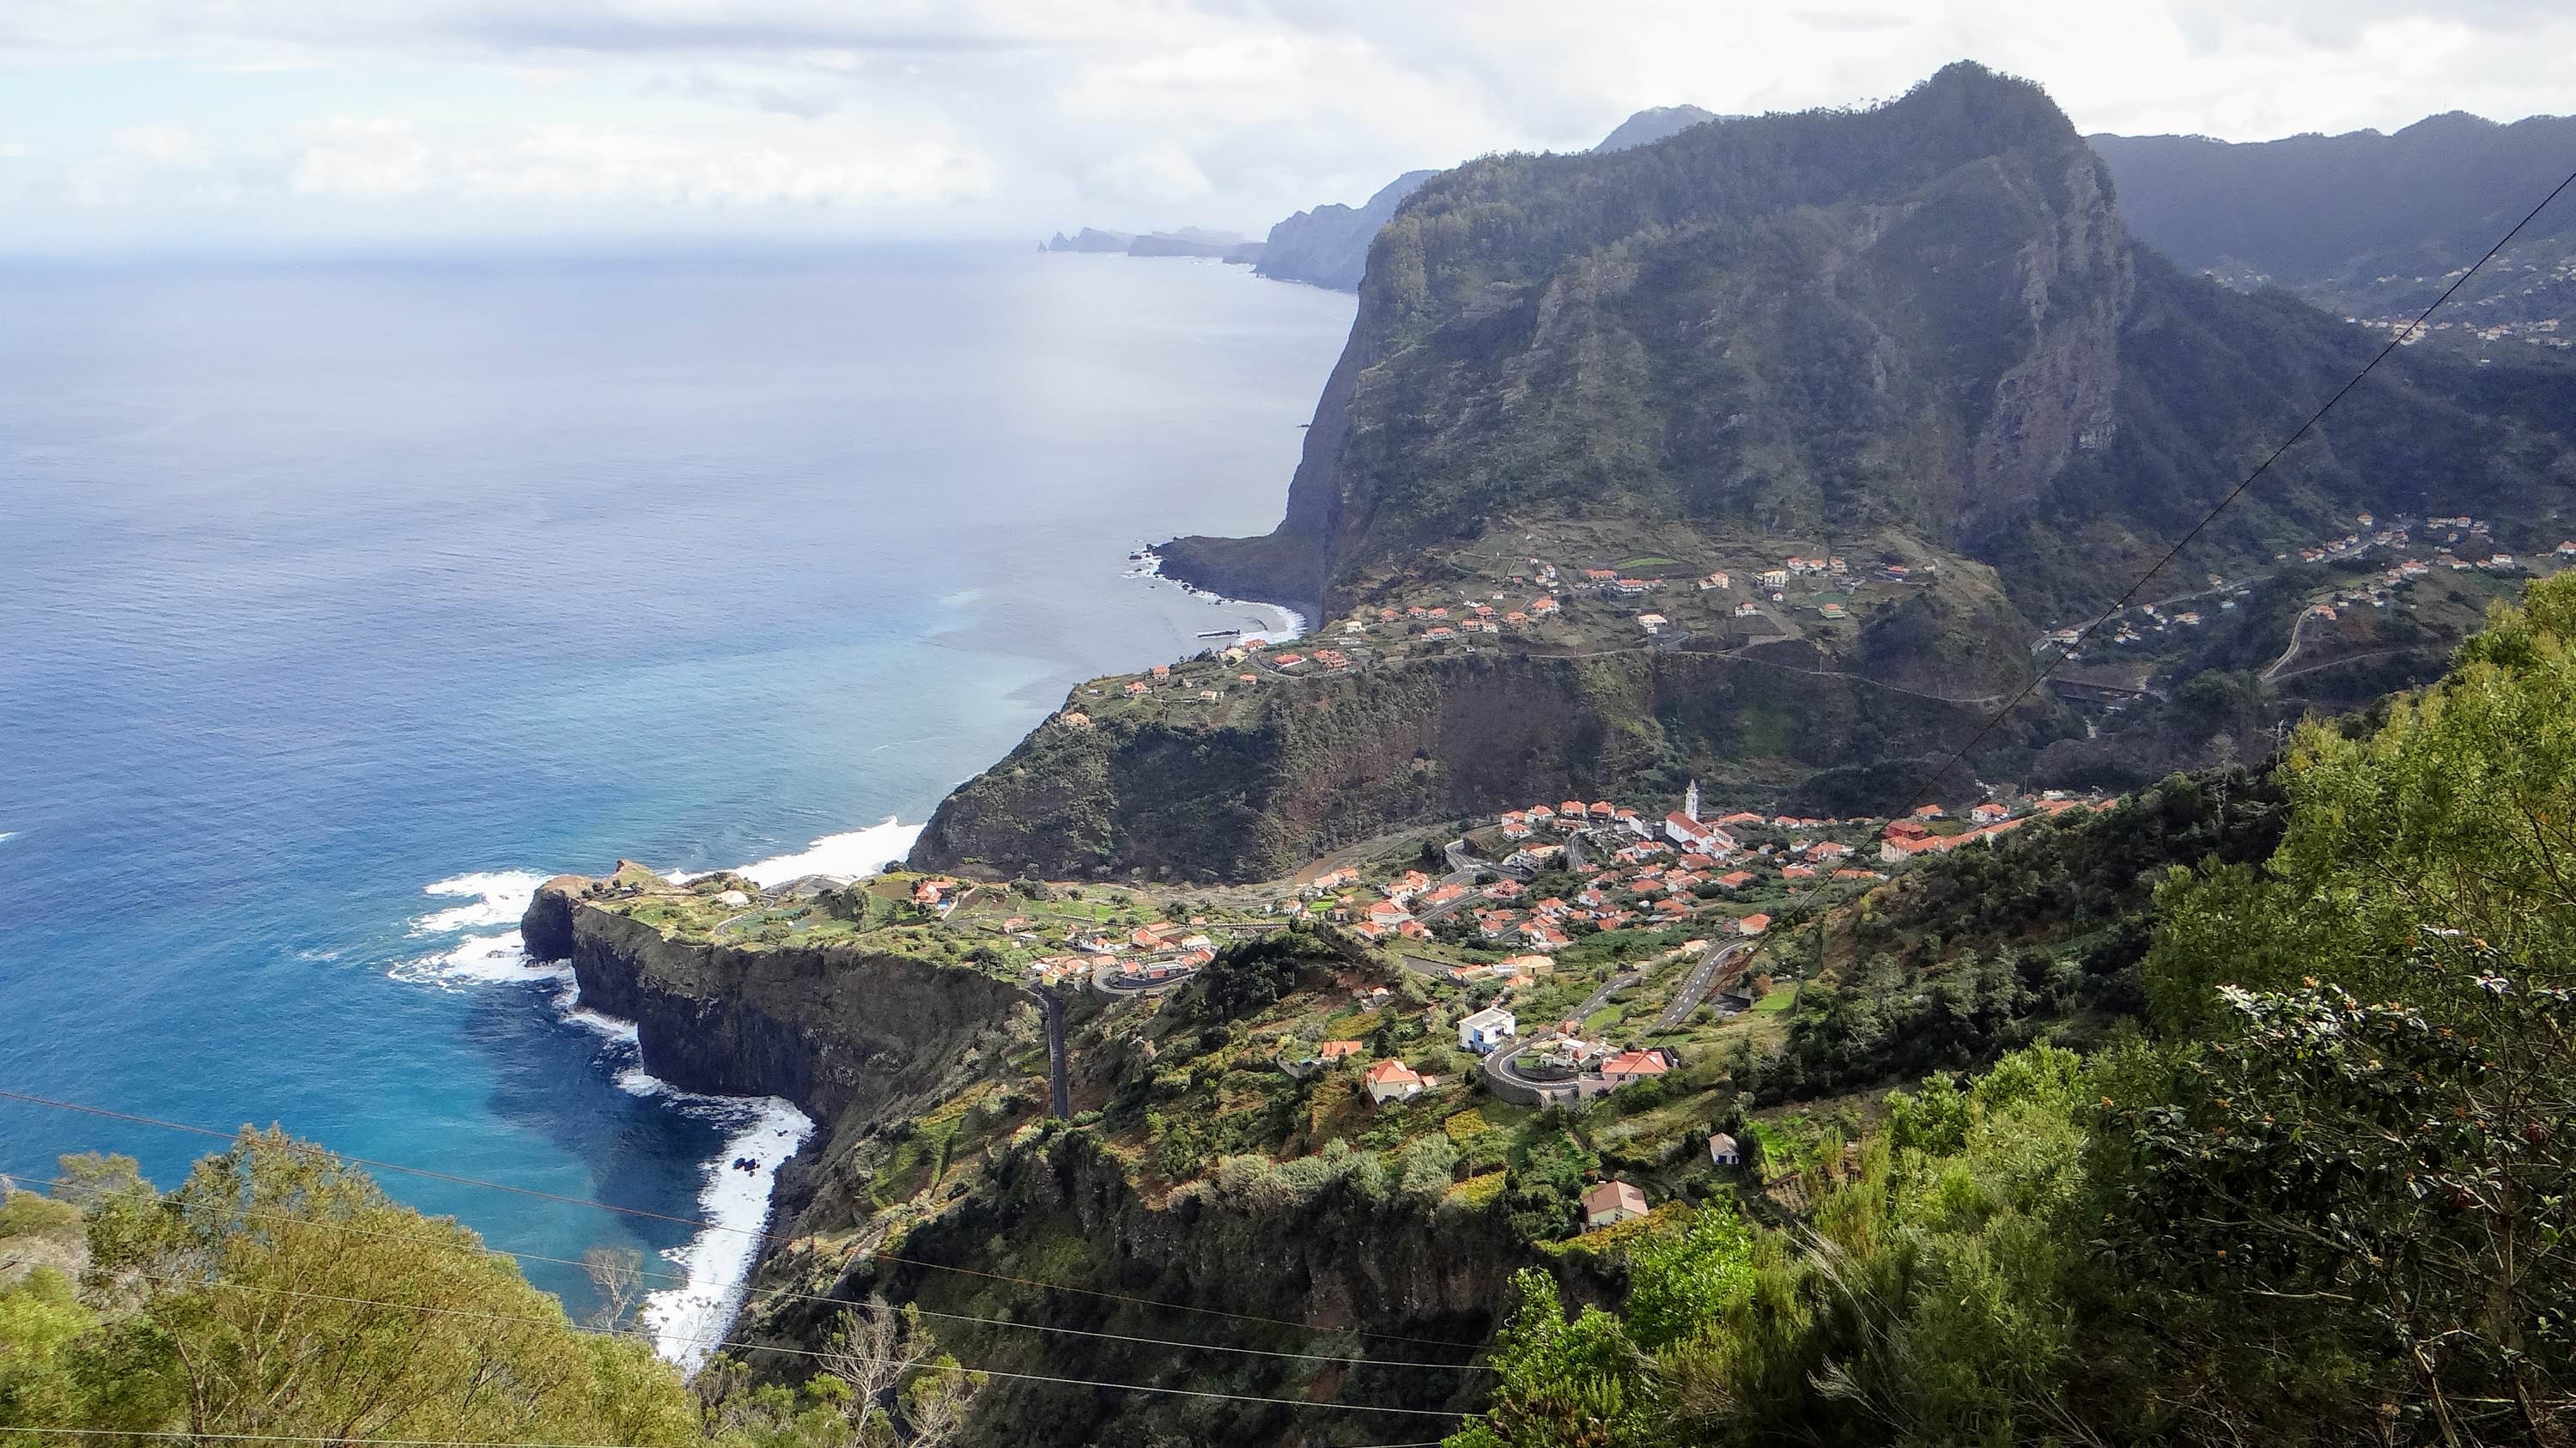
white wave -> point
(480, 960)
(622, 1033)
(686, 1321)
(1292, 624)
(493, 897)
(846, 856)
(8, 834)
(717, 1263)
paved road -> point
(1574, 851)
(2357, 658)
(1463, 865)
(1703, 976)
(1498, 1066)
(1104, 979)
(2297, 627)
(1059, 1084)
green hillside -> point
(1927, 317)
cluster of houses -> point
(1162, 953)
(1607, 1204)
(1590, 1068)
(1918, 833)
(2540, 333)
(1659, 872)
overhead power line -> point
(167, 1433)
(754, 1232)
(287, 1439)
(2399, 339)
(221, 1284)
(784, 1295)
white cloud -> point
(356, 156)
(136, 158)
(1152, 176)
(380, 159)
(1033, 114)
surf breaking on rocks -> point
(760, 1133)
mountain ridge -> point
(1916, 340)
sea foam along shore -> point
(1290, 623)
(715, 1264)
(688, 1321)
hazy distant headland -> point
(1328, 246)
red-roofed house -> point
(1753, 924)
(1611, 1203)
(1336, 1050)
(1393, 1081)
(1630, 1066)
(1681, 829)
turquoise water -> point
(325, 584)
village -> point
(2456, 545)
(1563, 952)
(1738, 598)
(1735, 597)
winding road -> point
(1059, 1083)
(1498, 1069)
(1702, 977)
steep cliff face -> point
(1339, 760)
(839, 1032)
(1329, 246)
(1360, 1267)
(1927, 317)
(1906, 317)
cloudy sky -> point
(150, 123)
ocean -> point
(342, 601)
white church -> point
(1684, 828)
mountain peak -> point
(1653, 124)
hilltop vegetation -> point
(2374, 226)
(1918, 336)
(2325, 1201)
(2264, 1141)
(1927, 317)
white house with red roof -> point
(1393, 1080)
(1610, 1204)
(1630, 1066)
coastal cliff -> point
(1347, 1255)
(1332, 761)
(1919, 335)
(934, 1137)
(849, 1036)
(1329, 246)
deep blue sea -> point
(328, 585)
